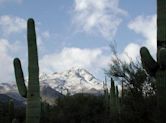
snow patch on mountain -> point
(74, 80)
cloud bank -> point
(98, 17)
(11, 24)
(145, 26)
(9, 1)
(91, 59)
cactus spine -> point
(32, 94)
(158, 68)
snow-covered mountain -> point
(74, 80)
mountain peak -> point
(75, 80)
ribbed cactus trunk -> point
(161, 24)
(32, 94)
(161, 56)
(158, 68)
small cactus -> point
(106, 95)
(117, 94)
(32, 93)
(112, 93)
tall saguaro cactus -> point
(32, 93)
(158, 68)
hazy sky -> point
(75, 33)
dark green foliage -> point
(1, 112)
(32, 94)
(106, 96)
(45, 112)
(79, 108)
(157, 68)
(15, 121)
(137, 100)
(11, 110)
(8, 113)
(138, 105)
(111, 101)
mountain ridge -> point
(72, 81)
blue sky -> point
(75, 33)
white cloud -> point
(92, 59)
(130, 52)
(6, 70)
(46, 34)
(12, 24)
(7, 1)
(146, 27)
(98, 16)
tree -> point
(139, 92)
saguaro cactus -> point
(158, 68)
(106, 95)
(112, 92)
(32, 94)
(113, 102)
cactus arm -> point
(20, 78)
(148, 62)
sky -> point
(75, 33)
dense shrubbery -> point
(80, 108)
(84, 108)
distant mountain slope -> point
(5, 99)
(72, 81)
